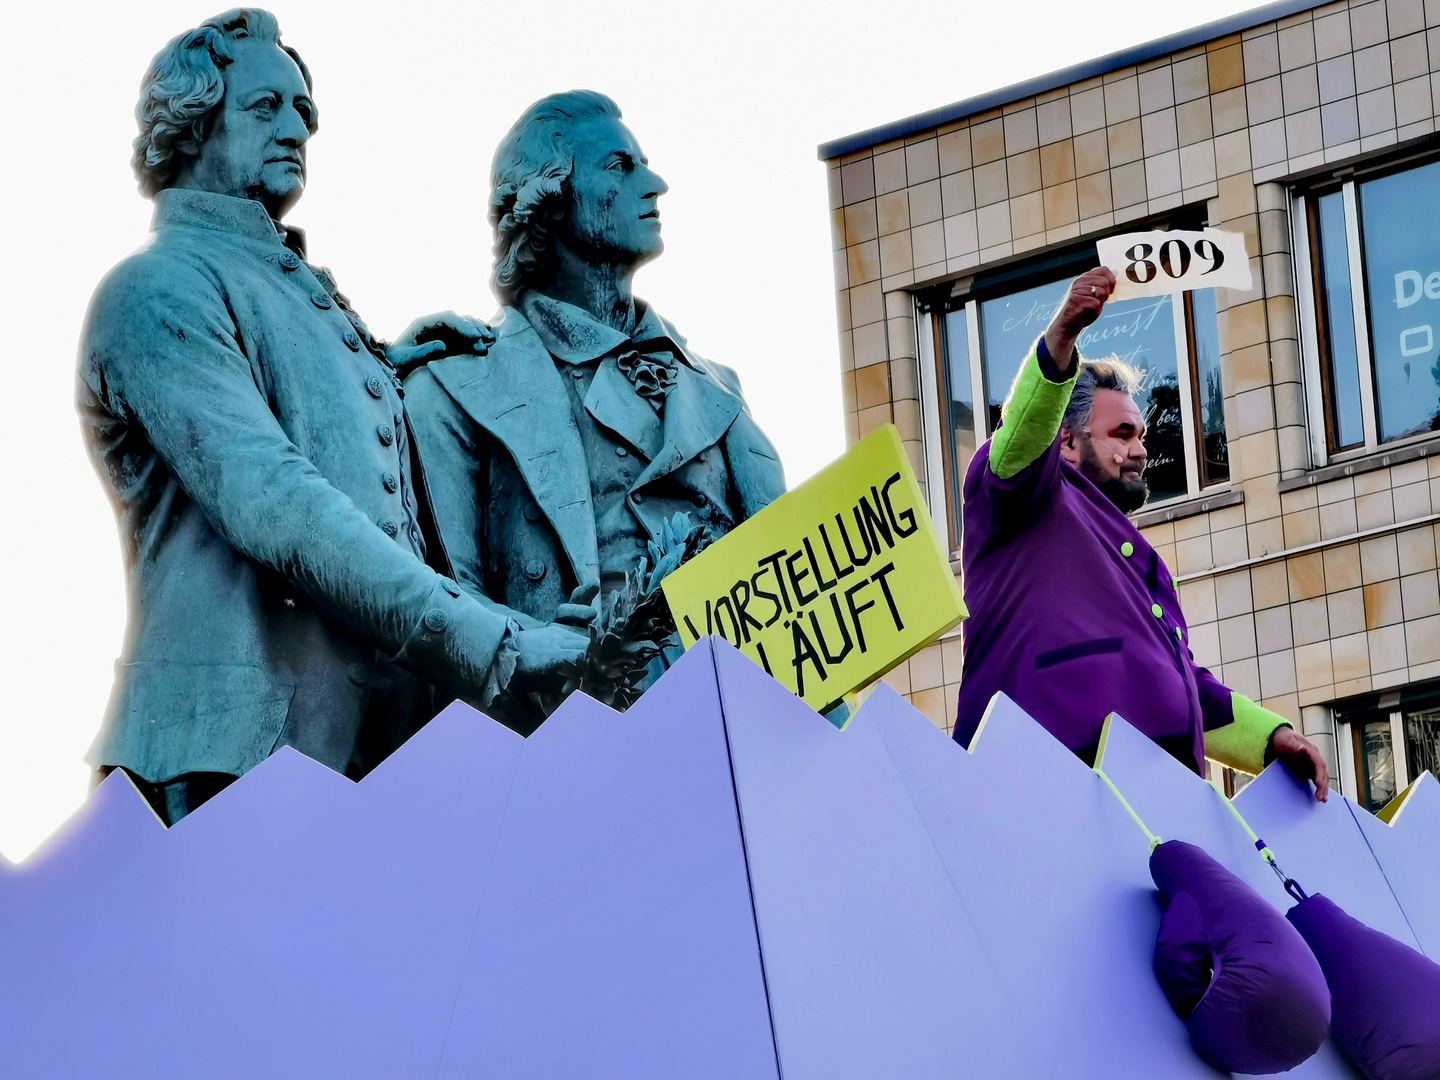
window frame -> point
(1314, 344)
(934, 305)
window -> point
(983, 335)
(1385, 746)
(1374, 307)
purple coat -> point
(1074, 616)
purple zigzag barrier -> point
(1408, 851)
(1053, 873)
(616, 938)
(717, 883)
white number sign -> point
(1152, 263)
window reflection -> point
(1209, 389)
(1140, 332)
(1377, 764)
(1402, 278)
(1422, 743)
(960, 406)
(1338, 325)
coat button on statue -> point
(290, 261)
(320, 299)
(534, 569)
(435, 620)
(389, 528)
(352, 341)
(386, 434)
(375, 386)
(391, 482)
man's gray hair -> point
(1108, 374)
(530, 187)
(185, 86)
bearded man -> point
(1072, 613)
(557, 457)
(253, 438)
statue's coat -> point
(505, 462)
(257, 452)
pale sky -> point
(729, 101)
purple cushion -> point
(1386, 995)
(1242, 978)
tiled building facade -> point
(1301, 506)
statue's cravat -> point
(650, 367)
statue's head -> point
(226, 108)
(570, 173)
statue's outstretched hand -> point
(441, 334)
(548, 647)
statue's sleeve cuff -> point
(502, 669)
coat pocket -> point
(1093, 647)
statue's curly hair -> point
(530, 187)
(184, 87)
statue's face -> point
(256, 149)
(614, 216)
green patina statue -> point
(286, 583)
(590, 450)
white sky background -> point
(729, 100)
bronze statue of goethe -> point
(560, 459)
(254, 439)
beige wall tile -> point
(1382, 604)
(1122, 99)
(952, 659)
(1416, 550)
(1332, 34)
(1232, 594)
(1197, 600)
(1387, 648)
(1306, 574)
(1192, 121)
(954, 151)
(1350, 657)
(1021, 132)
(1420, 594)
(1204, 642)
(1277, 673)
(1193, 555)
(1024, 172)
(1125, 142)
(1312, 666)
(1087, 110)
(1272, 630)
(1270, 584)
(1229, 111)
(1057, 163)
(1297, 46)
(1061, 207)
(1053, 120)
(993, 223)
(860, 222)
(1337, 519)
(1310, 620)
(931, 703)
(1227, 69)
(1411, 501)
(1243, 677)
(1409, 58)
(1377, 114)
(1157, 91)
(890, 171)
(1158, 132)
(1301, 527)
(1342, 567)
(987, 141)
(1368, 24)
(1422, 640)
(928, 244)
(1347, 611)
(1027, 214)
(1261, 54)
(926, 670)
(1093, 194)
(892, 212)
(1300, 90)
(1379, 559)
(895, 254)
(872, 385)
(922, 161)
(991, 183)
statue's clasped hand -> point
(434, 336)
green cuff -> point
(1241, 744)
(1032, 415)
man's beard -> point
(1128, 493)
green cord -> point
(1154, 840)
(1290, 884)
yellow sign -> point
(832, 584)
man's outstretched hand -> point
(1302, 757)
(1080, 308)
(441, 334)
